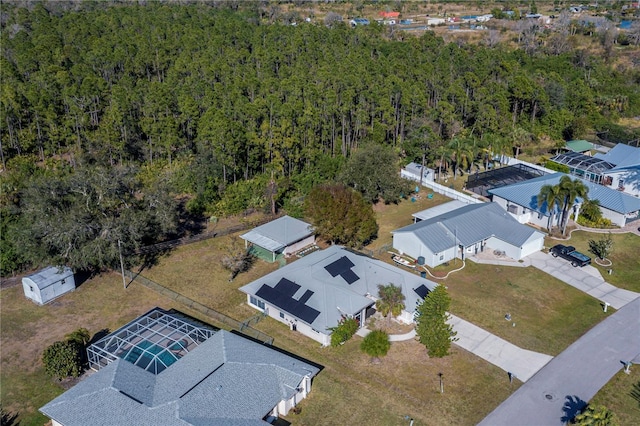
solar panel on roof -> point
(422, 291)
(307, 294)
(286, 302)
(349, 276)
(287, 287)
(339, 266)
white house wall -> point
(305, 329)
(495, 244)
(615, 217)
(47, 294)
(631, 181)
(31, 290)
(408, 243)
(299, 245)
(525, 215)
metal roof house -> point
(312, 294)
(285, 235)
(625, 176)
(48, 284)
(466, 231)
(521, 200)
(213, 377)
(619, 168)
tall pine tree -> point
(431, 323)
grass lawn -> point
(27, 329)
(352, 390)
(617, 396)
(625, 257)
(548, 314)
(393, 216)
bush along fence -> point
(242, 327)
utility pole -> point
(124, 282)
(441, 382)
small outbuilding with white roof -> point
(48, 284)
(285, 235)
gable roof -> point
(526, 194)
(49, 275)
(622, 156)
(279, 233)
(227, 380)
(439, 209)
(468, 225)
(333, 282)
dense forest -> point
(118, 120)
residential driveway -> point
(522, 363)
(564, 386)
(586, 279)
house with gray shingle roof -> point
(466, 231)
(285, 235)
(521, 200)
(312, 294)
(213, 377)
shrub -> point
(376, 344)
(63, 359)
(344, 331)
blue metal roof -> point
(622, 156)
(526, 193)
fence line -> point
(242, 327)
(444, 190)
(204, 236)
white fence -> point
(510, 161)
(441, 189)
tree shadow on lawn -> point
(572, 407)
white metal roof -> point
(49, 275)
(278, 233)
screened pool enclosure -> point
(153, 341)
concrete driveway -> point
(586, 279)
(564, 386)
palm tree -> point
(442, 152)
(552, 197)
(596, 416)
(570, 189)
(460, 153)
(391, 301)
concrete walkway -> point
(564, 386)
(586, 279)
(522, 363)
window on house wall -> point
(62, 281)
(282, 315)
(442, 257)
(256, 302)
(512, 208)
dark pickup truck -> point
(569, 252)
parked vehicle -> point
(569, 253)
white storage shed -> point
(48, 284)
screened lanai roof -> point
(576, 160)
(153, 341)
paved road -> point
(586, 279)
(565, 385)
